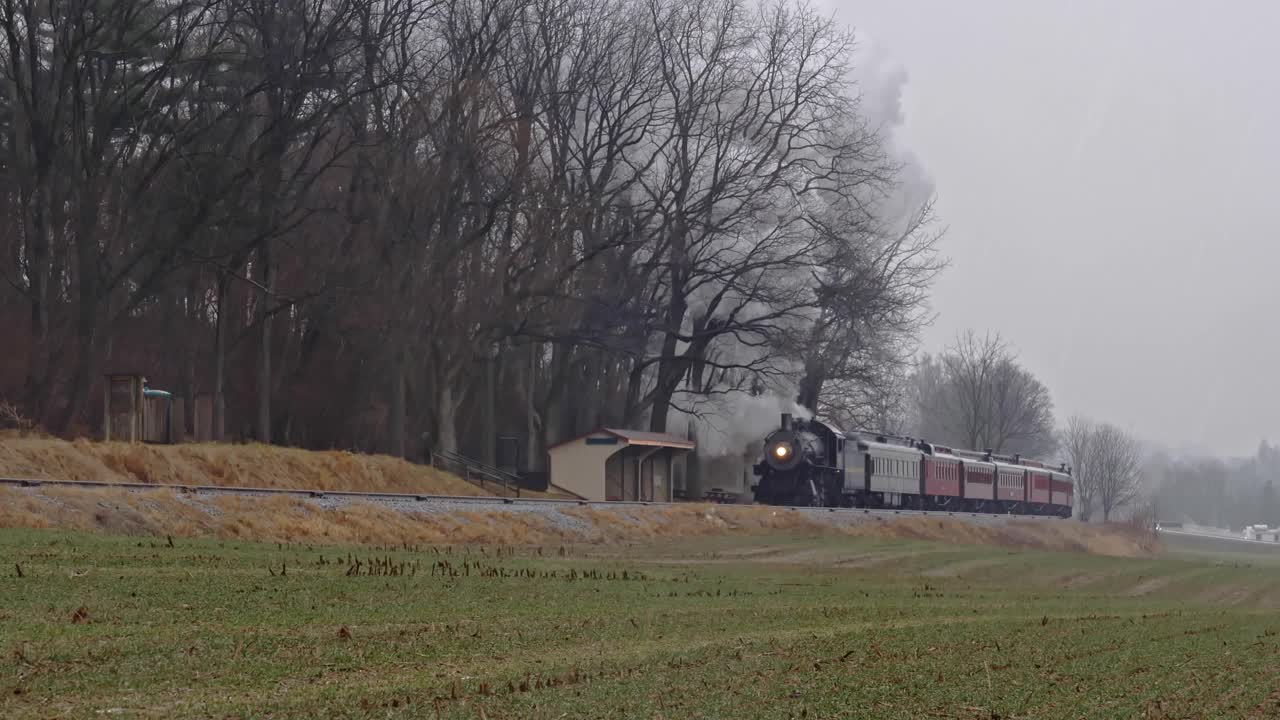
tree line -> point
(388, 225)
(1217, 492)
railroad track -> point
(469, 499)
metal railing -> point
(475, 472)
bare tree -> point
(1077, 448)
(986, 400)
(1022, 414)
(756, 121)
(1116, 459)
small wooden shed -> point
(614, 464)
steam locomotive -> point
(814, 464)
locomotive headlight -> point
(782, 451)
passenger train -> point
(813, 463)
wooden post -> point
(106, 410)
(671, 475)
(135, 411)
(178, 431)
(203, 419)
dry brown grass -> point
(263, 519)
(1114, 539)
(229, 465)
(288, 519)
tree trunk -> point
(220, 359)
(670, 371)
(671, 368)
(86, 341)
(446, 427)
(631, 408)
(86, 369)
(489, 412)
(590, 398)
(536, 448)
(553, 421)
(89, 304)
(810, 390)
(265, 316)
(40, 281)
(396, 424)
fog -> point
(1106, 172)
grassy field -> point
(781, 627)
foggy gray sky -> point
(1107, 174)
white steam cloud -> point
(881, 81)
(736, 421)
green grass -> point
(789, 627)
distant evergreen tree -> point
(1268, 505)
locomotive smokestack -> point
(786, 421)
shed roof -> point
(637, 437)
(640, 437)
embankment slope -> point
(161, 512)
(255, 465)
